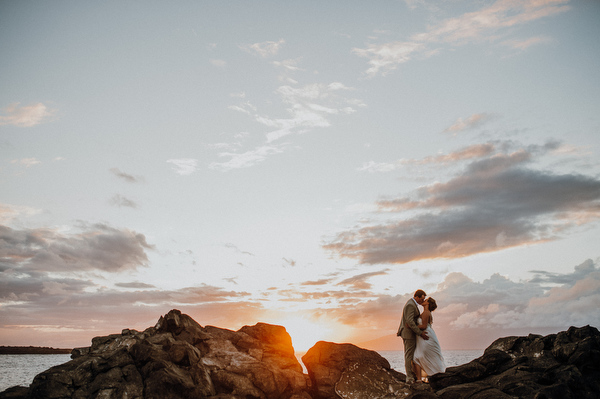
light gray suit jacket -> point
(408, 326)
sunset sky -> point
(308, 163)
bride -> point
(428, 354)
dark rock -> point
(472, 390)
(347, 371)
(178, 358)
(16, 392)
(563, 365)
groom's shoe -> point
(410, 380)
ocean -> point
(21, 369)
(452, 358)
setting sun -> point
(305, 332)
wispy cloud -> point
(498, 201)
(236, 249)
(25, 116)
(306, 108)
(27, 162)
(126, 176)
(184, 166)
(120, 201)
(323, 281)
(264, 49)
(486, 24)
(246, 159)
(471, 122)
(9, 213)
(289, 64)
(135, 285)
(470, 152)
(310, 107)
(525, 43)
(218, 63)
(360, 281)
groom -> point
(409, 330)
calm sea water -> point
(452, 358)
(21, 369)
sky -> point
(308, 164)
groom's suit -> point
(409, 330)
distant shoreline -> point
(32, 350)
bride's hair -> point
(432, 304)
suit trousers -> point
(409, 353)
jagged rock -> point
(178, 358)
(349, 372)
(563, 365)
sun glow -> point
(305, 332)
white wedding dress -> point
(428, 353)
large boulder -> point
(563, 365)
(349, 372)
(177, 359)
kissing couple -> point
(422, 352)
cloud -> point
(500, 303)
(218, 63)
(25, 116)
(264, 49)
(289, 65)
(525, 44)
(386, 57)
(9, 213)
(135, 284)
(310, 106)
(120, 201)
(289, 262)
(246, 159)
(125, 176)
(497, 202)
(487, 23)
(28, 162)
(306, 108)
(471, 122)
(323, 281)
(97, 248)
(237, 250)
(359, 282)
(466, 153)
(184, 166)
(544, 277)
(69, 312)
(473, 314)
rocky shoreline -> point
(178, 358)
